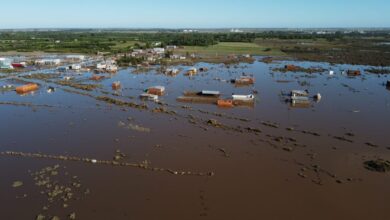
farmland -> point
(370, 48)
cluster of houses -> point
(107, 66)
(150, 55)
(65, 63)
(154, 54)
(7, 63)
(12, 63)
(47, 62)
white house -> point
(101, 66)
(174, 56)
(75, 57)
(138, 51)
(5, 63)
(171, 47)
(172, 71)
(159, 50)
(75, 67)
(48, 62)
(112, 68)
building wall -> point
(5, 63)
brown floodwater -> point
(306, 163)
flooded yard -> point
(78, 149)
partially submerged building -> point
(108, 65)
(49, 62)
(5, 63)
(75, 57)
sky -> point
(194, 13)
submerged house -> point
(108, 65)
(75, 67)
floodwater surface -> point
(171, 161)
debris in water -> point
(378, 165)
(17, 184)
(72, 216)
(40, 217)
(317, 97)
(51, 89)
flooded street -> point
(139, 159)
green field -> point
(124, 45)
(227, 48)
(353, 48)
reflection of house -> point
(5, 63)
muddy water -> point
(276, 174)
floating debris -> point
(50, 89)
(97, 77)
(150, 97)
(86, 87)
(72, 216)
(191, 72)
(317, 97)
(17, 184)
(378, 165)
(378, 71)
(40, 217)
(116, 85)
(102, 162)
(121, 103)
(354, 73)
(138, 128)
(294, 68)
(26, 104)
(224, 152)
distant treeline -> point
(91, 42)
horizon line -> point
(184, 28)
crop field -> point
(226, 48)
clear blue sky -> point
(193, 13)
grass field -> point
(367, 50)
(124, 45)
(226, 48)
